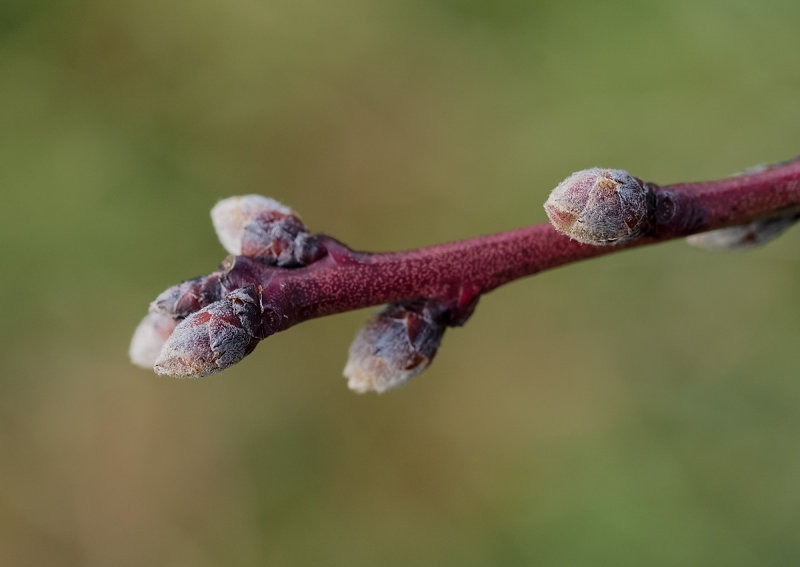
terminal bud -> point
(213, 338)
(601, 206)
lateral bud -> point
(601, 206)
(753, 234)
(396, 344)
(263, 228)
(745, 236)
(149, 338)
(181, 300)
(213, 338)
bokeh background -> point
(640, 409)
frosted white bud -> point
(230, 216)
(149, 338)
(750, 235)
(745, 236)
(601, 206)
(262, 228)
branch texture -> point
(279, 274)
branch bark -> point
(345, 280)
(456, 274)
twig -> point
(272, 298)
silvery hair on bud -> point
(212, 339)
(230, 216)
(263, 228)
(753, 234)
(601, 206)
(149, 339)
(396, 344)
(746, 236)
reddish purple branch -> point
(222, 316)
(707, 205)
(346, 280)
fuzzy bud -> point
(753, 234)
(149, 338)
(213, 338)
(396, 344)
(601, 206)
(745, 236)
(229, 217)
(753, 169)
(259, 227)
(183, 299)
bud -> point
(396, 344)
(764, 167)
(213, 338)
(263, 228)
(753, 234)
(149, 337)
(278, 239)
(601, 206)
(745, 236)
(183, 299)
(230, 215)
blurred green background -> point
(640, 409)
